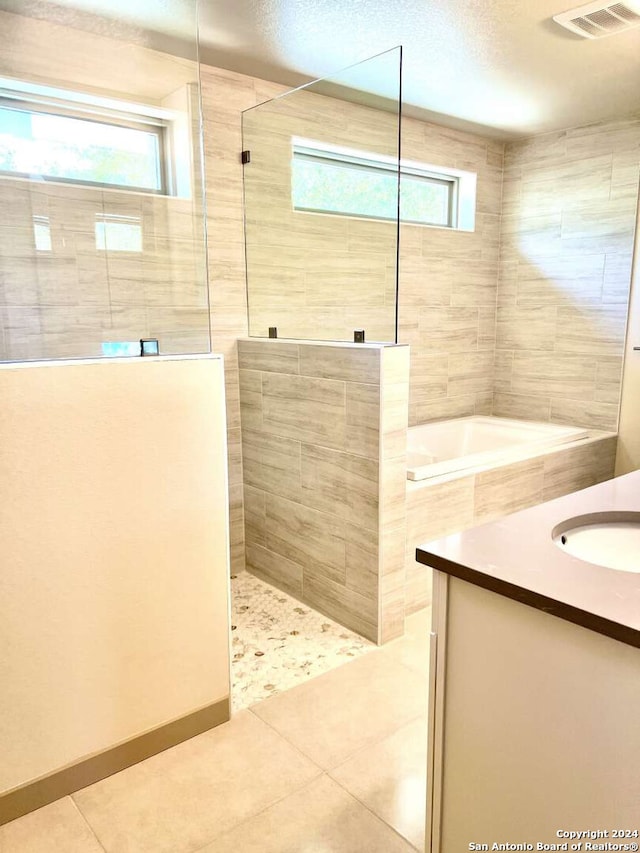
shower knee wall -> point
(324, 470)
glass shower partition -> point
(321, 188)
(102, 230)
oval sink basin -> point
(608, 539)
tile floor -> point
(278, 642)
(334, 765)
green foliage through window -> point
(61, 147)
(326, 182)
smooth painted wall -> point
(114, 552)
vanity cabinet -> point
(535, 686)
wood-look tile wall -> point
(309, 274)
(392, 525)
(313, 275)
(64, 301)
(448, 283)
(435, 510)
(447, 279)
(225, 95)
(568, 224)
(323, 445)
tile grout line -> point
(85, 820)
(350, 755)
(261, 811)
(297, 790)
(244, 819)
(280, 735)
(367, 746)
(371, 812)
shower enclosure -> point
(101, 192)
(113, 490)
(321, 191)
(324, 405)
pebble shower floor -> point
(278, 642)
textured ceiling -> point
(501, 64)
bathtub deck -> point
(457, 501)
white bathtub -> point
(444, 447)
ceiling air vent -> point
(596, 20)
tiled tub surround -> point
(453, 503)
(568, 224)
(463, 444)
(323, 441)
(448, 282)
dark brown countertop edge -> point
(599, 624)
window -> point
(118, 233)
(426, 198)
(42, 233)
(328, 179)
(35, 141)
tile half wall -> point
(324, 461)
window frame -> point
(461, 184)
(439, 179)
(156, 126)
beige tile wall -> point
(435, 510)
(313, 275)
(566, 231)
(51, 52)
(447, 279)
(66, 301)
(323, 443)
(448, 283)
(569, 216)
(225, 95)
(392, 524)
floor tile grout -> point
(285, 738)
(253, 816)
(86, 821)
(371, 811)
(307, 784)
(368, 746)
